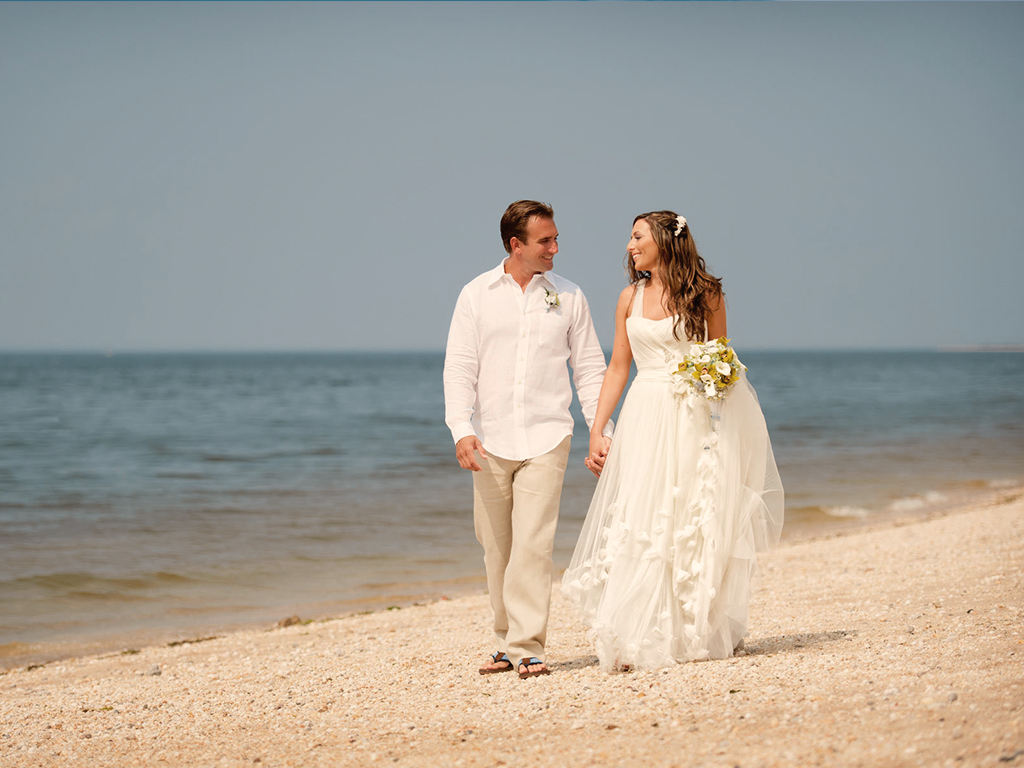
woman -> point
(688, 488)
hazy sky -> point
(327, 176)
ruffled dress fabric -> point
(689, 494)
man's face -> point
(537, 254)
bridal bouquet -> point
(710, 369)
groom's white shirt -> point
(505, 376)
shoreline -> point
(18, 654)
(900, 644)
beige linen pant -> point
(515, 513)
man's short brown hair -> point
(517, 216)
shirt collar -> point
(499, 272)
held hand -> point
(599, 446)
(464, 452)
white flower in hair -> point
(680, 223)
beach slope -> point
(895, 646)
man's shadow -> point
(754, 646)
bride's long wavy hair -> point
(691, 288)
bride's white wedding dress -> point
(689, 493)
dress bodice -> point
(651, 341)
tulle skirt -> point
(689, 494)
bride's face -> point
(642, 248)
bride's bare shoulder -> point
(625, 299)
(627, 293)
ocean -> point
(163, 496)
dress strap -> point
(637, 310)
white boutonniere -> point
(551, 298)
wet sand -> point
(887, 646)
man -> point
(507, 398)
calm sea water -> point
(172, 493)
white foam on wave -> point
(910, 503)
(1005, 482)
(846, 511)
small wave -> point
(847, 512)
(911, 503)
(270, 456)
(172, 578)
(801, 429)
(1004, 482)
(79, 475)
(324, 452)
(265, 492)
(60, 504)
(82, 584)
(405, 419)
(907, 505)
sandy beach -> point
(897, 645)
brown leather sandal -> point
(497, 658)
(524, 668)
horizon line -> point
(113, 352)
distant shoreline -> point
(983, 348)
(112, 353)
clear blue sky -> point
(327, 176)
